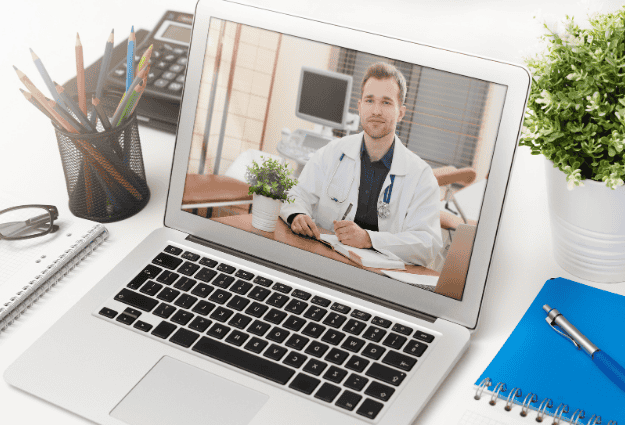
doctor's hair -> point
(382, 71)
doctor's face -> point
(380, 108)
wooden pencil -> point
(41, 98)
(126, 98)
(145, 83)
(145, 59)
(34, 101)
(67, 116)
(101, 113)
(80, 76)
(46, 78)
(82, 118)
(104, 66)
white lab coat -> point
(412, 230)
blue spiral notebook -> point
(538, 361)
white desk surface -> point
(31, 163)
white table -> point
(30, 163)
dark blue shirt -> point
(372, 176)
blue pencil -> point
(130, 59)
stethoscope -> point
(383, 206)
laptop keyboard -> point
(340, 355)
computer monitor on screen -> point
(323, 98)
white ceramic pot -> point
(587, 227)
(265, 212)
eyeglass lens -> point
(25, 222)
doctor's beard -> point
(376, 129)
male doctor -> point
(394, 193)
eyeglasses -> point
(28, 221)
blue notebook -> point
(535, 359)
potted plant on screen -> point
(269, 184)
(576, 119)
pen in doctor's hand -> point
(349, 208)
(606, 364)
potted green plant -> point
(576, 118)
(269, 185)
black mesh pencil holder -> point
(104, 172)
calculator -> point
(161, 99)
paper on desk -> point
(411, 278)
(365, 257)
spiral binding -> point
(515, 397)
(30, 293)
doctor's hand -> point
(304, 225)
(349, 233)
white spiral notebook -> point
(30, 267)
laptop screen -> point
(394, 187)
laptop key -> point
(185, 301)
(244, 275)
(316, 349)
(385, 323)
(402, 329)
(275, 352)
(151, 288)
(323, 302)
(200, 324)
(294, 323)
(373, 351)
(142, 326)
(222, 314)
(244, 360)
(190, 256)
(379, 391)
(281, 287)
(348, 400)
(205, 275)
(297, 341)
(398, 360)
(168, 294)
(374, 334)
(335, 374)
(184, 337)
(315, 367)
(256, 309)
(263, 281)
(275, 316)
(304, 383)
(136, 300)
(277, 300)
(238, 303)
(173, 250)
(164, 310)
(259, 328)
(315, 313)
(202, 290)
(354, 326)
(385, 374)
(370, 408)
(220, 296)
(188, 268)
(208, 262)
(313, 329)
(296, 306)
(341, 308)
(164, 329)
(356, 382)
(353, 344)
(149, 272)
(237, 338)
(218, 330)
(361, 315)
(182, 317)
(335, 320)
(336, 356)
(240, 321)
(333, 337)
(256, 345)
(395, 341)
(126, 319)
(223, 280)
(294, 359)
(423, 336)
(259, 293)
(167, 261)
(415, 348)
(226, 268)
(107, 312)
(241, 287)
(298, 293)
(327, 392)
(357, 363)
(203, 308)
(184, 283)
(277, 334)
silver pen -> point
(349, 208)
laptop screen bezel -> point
(515, 77)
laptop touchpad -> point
(173, 392)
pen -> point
(349, 208)
(606, 364)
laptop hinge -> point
(313, 279)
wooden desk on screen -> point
(284, 234)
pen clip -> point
(561, 332)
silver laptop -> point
(209, 321)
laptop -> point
(209, 321)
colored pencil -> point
(145, 59)
(104, 66)
(101, 113)
(130, 59)
(67, 116)
(46, 79)
(80, 76)
(42, 100)
(82, 118)
(126, 98)
(136, 95)
(34, 101)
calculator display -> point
(177, 33)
